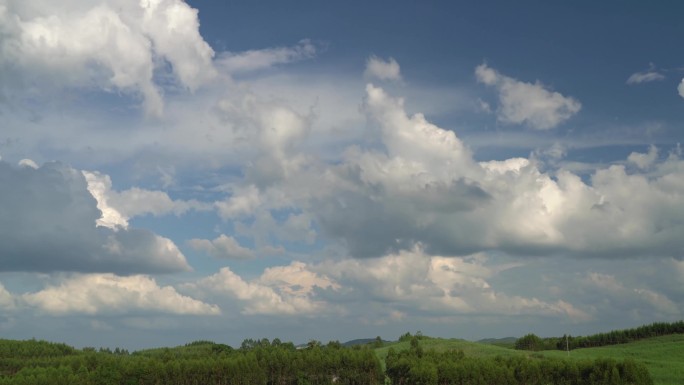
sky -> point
(174, 171)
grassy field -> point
(664, 356)
(472, 349)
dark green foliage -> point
(529, 342)
(614, 337)
(262, 362)
(199, 362)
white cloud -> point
(381, 69)
(424, 187)
(243, 201)
(53, 228)
(240, 62)
(527, 103)
(644, 77)
(112, 45)
(99, 187)
(680, 88)
(119, 206)
(436, 285)
(222, 247)
(268, 132)
(651, 75)
(644, 161)
(286, 290)
(296, 278)
(28, 163)
(111, 294)
(7, 299)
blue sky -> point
(176, 171)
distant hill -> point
(362, 341)
(506, 341)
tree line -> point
(615, 337)
(264, 362)
(199, 363)
(418, 367)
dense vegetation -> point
(615, 337)
(428, 367)
(200, 363)
(414, 359)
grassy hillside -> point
(472, 349)
(664, 356)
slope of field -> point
(472, 349)
(664, 356)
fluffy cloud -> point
(381, 69)
(48, 223)
(405, 284)
(222, 247)
(119, 206)
(110, 294)
(424, 187)
(268, 133)
(112, 45)
(7, 299)
(287, 290)
(296, 278)
(527, 103)
(644, 161)
(438, 286)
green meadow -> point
(664, 356)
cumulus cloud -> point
(405, 284)
(111, 45)
(425, 187)
(527, 103)
(381, 69)
(286, 290)
(48, 223)
(222, 247)
(270, 133)
(644, 161)
(7, 299)
(439, 286)
(240, 62)
(119, 206)
(111, 294)
(243, 201)
(296, 278)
